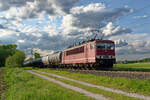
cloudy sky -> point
(51, 25)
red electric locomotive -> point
(94, 53)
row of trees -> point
(135, 61)
(145, 60)
(10, 56)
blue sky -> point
(52, 25)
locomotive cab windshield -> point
(105, 46)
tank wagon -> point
(52, 60)
(37, 63)
(90, 54)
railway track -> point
(113, 73)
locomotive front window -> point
(101, 46)
(110, 46)
(105, 46)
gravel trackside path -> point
(100, 87)
(87, 93)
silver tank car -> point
(53, 59)
(45, 60)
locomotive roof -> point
(105, 41)
(82, 44)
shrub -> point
(6, 51)
(36, 55)
(16, 60)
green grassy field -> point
(113, 96)
(25, 86)
(129, 85)
(136, 67)
(3, 85)
(141, 65)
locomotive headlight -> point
(112, 48)
(110, 57)
(113, 57)
(98, 57)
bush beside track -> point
(129, 85)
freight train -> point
(90, 54)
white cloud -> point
(6, 32)
(93, 16)
(30, 29)
(138, 45)
(51, 30)
(43, 52)
(37, 35)
(33, 8)
(131, 37)
(121, 43)
(21, 41)
(38, 32)
(23, 12)
(111, 30)
(138, 17)
(6, 4)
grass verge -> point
(3, 85)
(133, 67)
(25, 86)
(129, 85)
(113, 96)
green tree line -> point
(10, 56)
(146, 60)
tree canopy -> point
(36, 55)
(5, 51)
(9, 55)
(16, 60)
